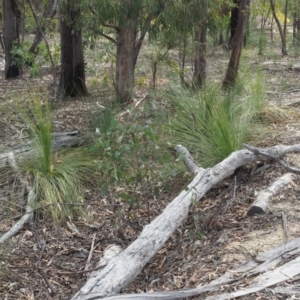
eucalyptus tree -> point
(12, 16)
(282, 31)
(125, 23)
(295, 7)
(195, 18)
(234, 17)
(237, 44)
(48, 11)
(200, 35)
(72, 73)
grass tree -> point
(213, 124)
(58, 178)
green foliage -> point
(130, 156)
(58, 178)
(262, 43)
(210, 123)
(23, 58)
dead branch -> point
(272, 156)
(29, 207)
(261, 202)
(188, 160)
(123, 268)
(269, 278)
(264, 262)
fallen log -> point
(264, 262)
(59, 140)
(262, 199)
(280, 274)
(123, 268)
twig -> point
(75, 272)
(284, 225)
(74, 229)
(252, 256)
(46, 42)
(276, 158)
(29, 207)
(90, 254)
(229, 202)
(41, 255)
(53, 291)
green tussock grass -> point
(58, 178)
(213, 124)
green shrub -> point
(132, 159)
(22, 57)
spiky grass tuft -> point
(58, 178)
(210, 123)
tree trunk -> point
(127, 53)
(234, 17)
(296, 24)
(237, 43)
(247, 30)
(49, 13)
(182, 55)
(283, 41)
(199, 75)
(285, 18)
(72, 76)
(12, 17)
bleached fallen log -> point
(123, 268)
(264, 261)
(269, 260)
(31, 198)
(280, 274)
(170, 295)
(290, 290)
(59, 140)
(262, 199)
(188, 160)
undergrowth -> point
(134, 159)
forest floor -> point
(44, 261)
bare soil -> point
(45, 261)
